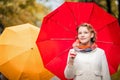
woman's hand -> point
(72, 57)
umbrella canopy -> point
(19, 55)
(58, 32)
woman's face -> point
(84, 35)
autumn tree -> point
(15, 12)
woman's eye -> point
(85, 32)
(79, 33)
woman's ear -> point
(92, 35)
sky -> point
(52, 4)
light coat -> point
(88, 66)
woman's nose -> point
(82, 34)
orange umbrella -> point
(19, 56)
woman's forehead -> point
(83, 28)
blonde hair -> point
(90, 28)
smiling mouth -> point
(82, 38)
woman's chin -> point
(84, 42)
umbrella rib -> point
(104, 26)
(58, 55)
(105, 42)
(63, 39)
(65, 27)
(91, 13)
(24, 65)
(72, 13)
(11, 46)
(14, 57)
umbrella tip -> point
(31, 48)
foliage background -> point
(15, 12)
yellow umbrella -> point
(19, 56)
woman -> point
(85, 60)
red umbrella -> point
(58, 32)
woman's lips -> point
(83, 38)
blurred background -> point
(16, 12)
